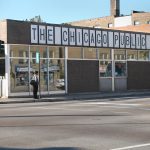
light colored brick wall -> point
(103, 22)
(3, 31)
(97, 22)
(143, 18)
(140, 28)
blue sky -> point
(60, 11)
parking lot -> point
(119, 124)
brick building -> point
(115, 19)
(77, 59)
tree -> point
(35, 19)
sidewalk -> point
(78, 96)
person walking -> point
(35, 83)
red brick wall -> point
(138, 75)
(83, 76)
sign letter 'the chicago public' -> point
(57, 35)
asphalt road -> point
(122, 124)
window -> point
(2, 59)
(56, 75)
(75, 52)
(19, 77)
(41, 49)
(105, 69)
(19, 51)
(89, 53)
(132, 54)
(2, 66)
(143, 55)
(2, 51)
(24, 55)
(105, 64)
(104, 54)
(56, 52)
(33, 57)
(97, 26)
(136, 23)
(110, 25)
(120, 69)
(119, 55)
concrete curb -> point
(71, 97)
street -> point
(117, 124)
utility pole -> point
(39, 66)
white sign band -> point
(88, 37)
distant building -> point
(116, 19)
(141, 28)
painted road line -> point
(118, 104)
(132, 147)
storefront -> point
(74, 59)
